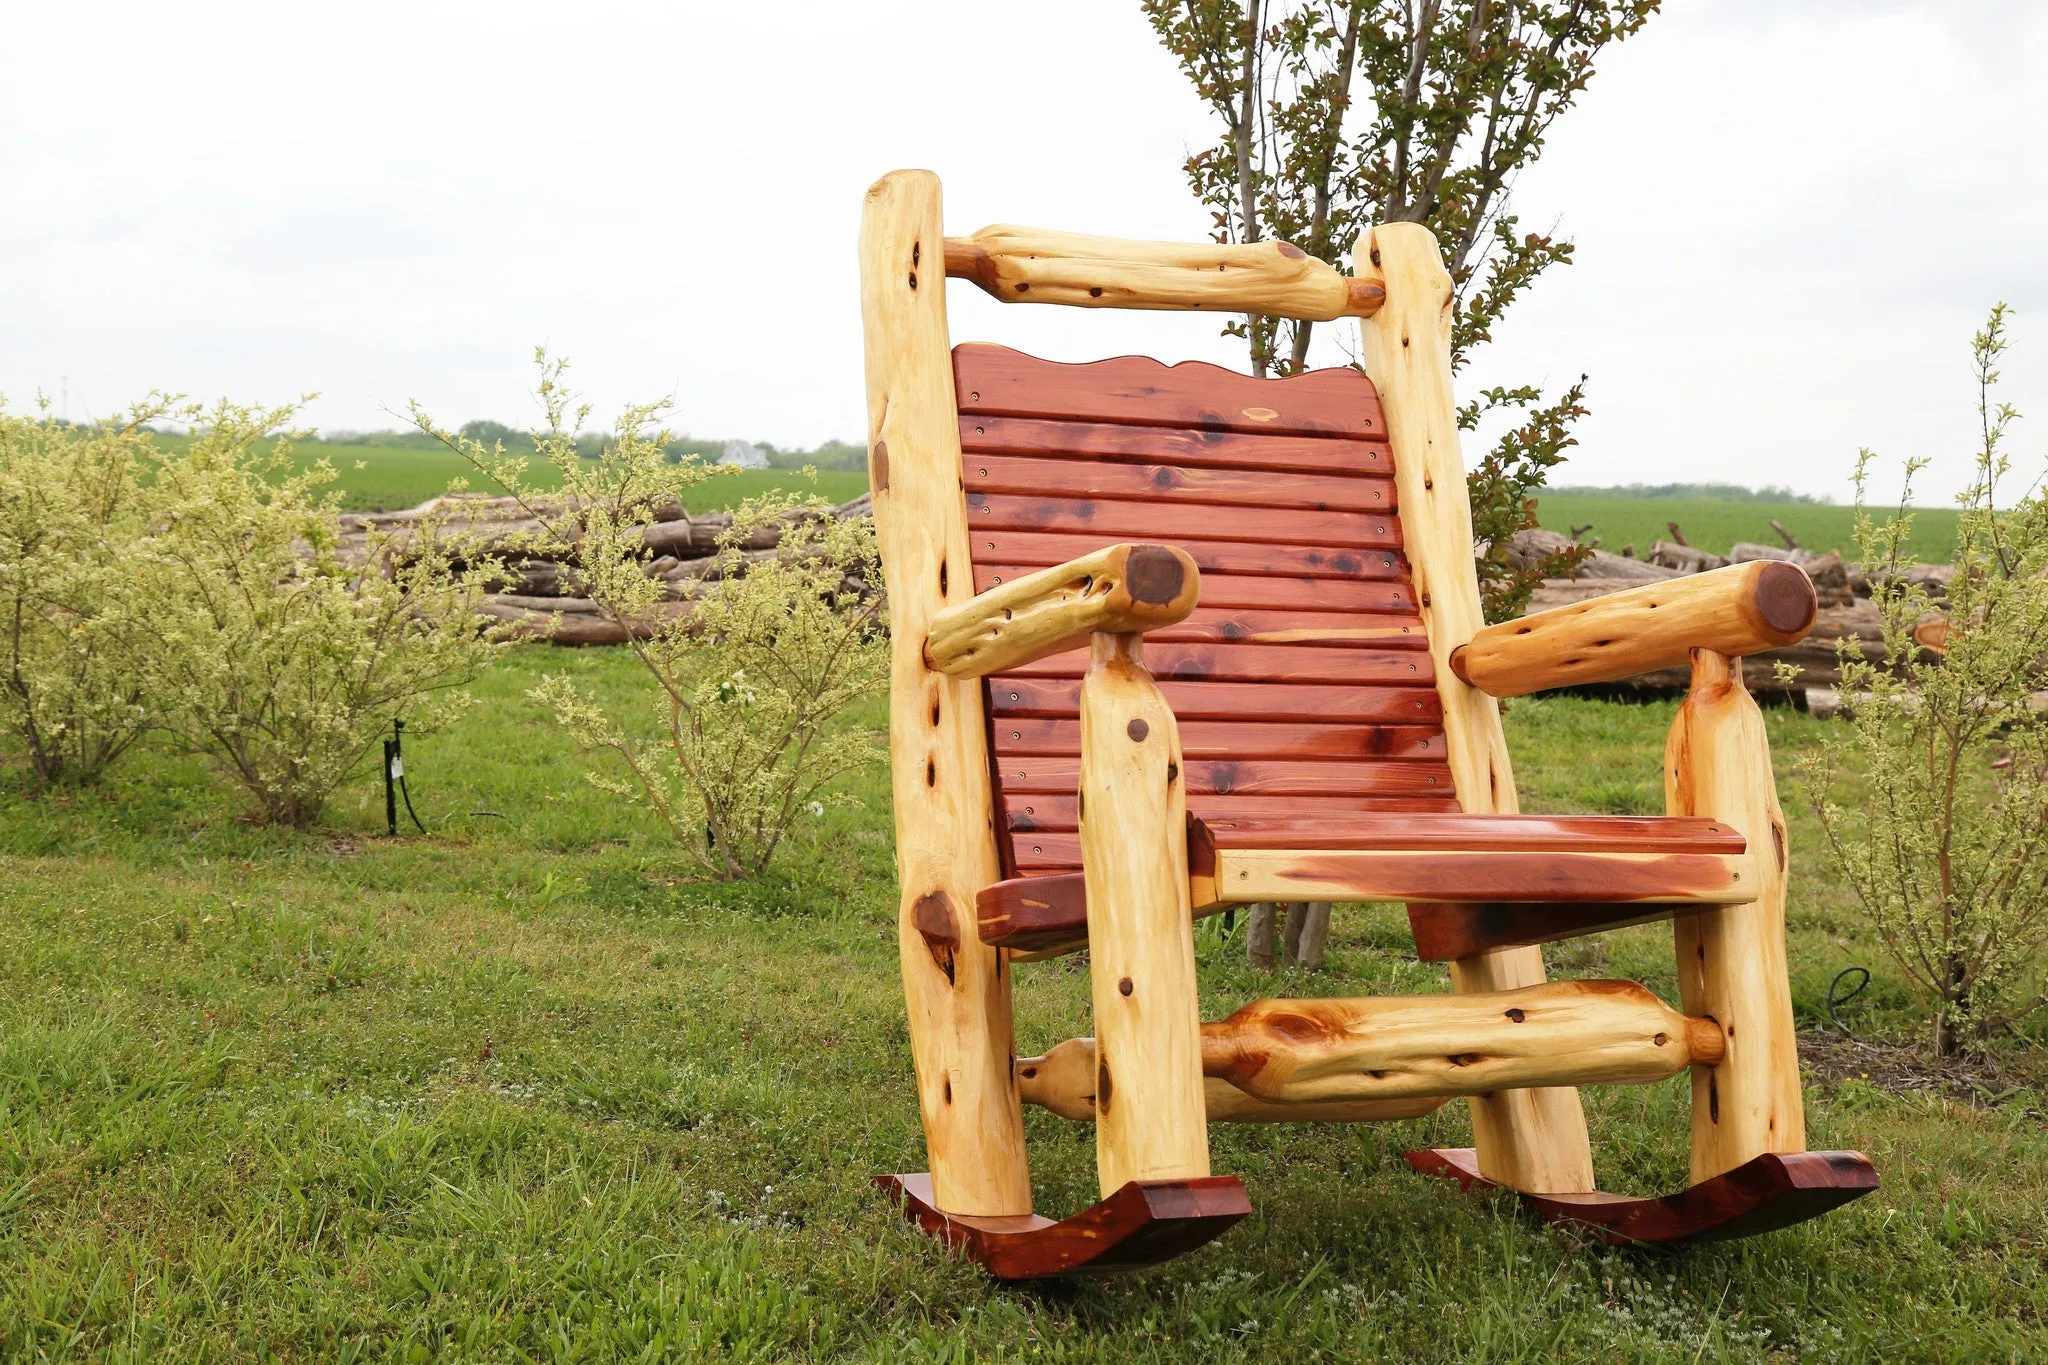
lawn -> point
(522, 1088)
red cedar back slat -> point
(1242, 590)
(1335, 629)
(1167, 483)
(1137, 389)
(1258, 663)
(1044, 549)
(1328, 455)
(1025, 812)
(1014, 696)
(1113, 520)
(1244, 739)
(1249, 777)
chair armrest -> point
(1735, 611)
(1122, 589)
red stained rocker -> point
(1169, 639)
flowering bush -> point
(72, 507)
(275, 657)
(753, 666)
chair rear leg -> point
(1151, 1118)
(1731, 959)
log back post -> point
(1731, 959)
(1531, 1139)
(1151, 1118)
(956, 990)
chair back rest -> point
(1303, 683)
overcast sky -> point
(1790, 216)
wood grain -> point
(1040, 265)
(1109, 519)
(1242, 739)
(1252, 777)
(996, 381)
(1339, 703)
(1737, 610)
(1120, 589)
(1063, 1081)
(1232, 662)
(1233, 592)
(1531, 1139)
(1267, 874)
(1762, 1195)
(1219, 554)
(1166, 483)
(1731, 962)
(1151, 1124)
(1254, 452)
(956, 989)
(1562, 1033)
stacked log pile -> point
(1846, 608)
(540, 594)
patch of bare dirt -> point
(1994, 1079)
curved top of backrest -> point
(1302, 683)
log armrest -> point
(1735, 611)
(1122, 590)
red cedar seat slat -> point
(1329, 456)
(1240, 591)
(1234, 739)
(997, 381)
(1176, 484)
(1045, 549)
(1334, 703)
(1113, 520)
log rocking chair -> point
(1169, 639)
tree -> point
(1341, 113)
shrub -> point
(1948, 849)
(752, 672)
(276, 657)
(71, 510)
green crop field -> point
(1714, 525)
(522, 1088)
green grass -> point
(521, 1088)
(1714, 525)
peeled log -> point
(1063, 1080)
(1563, 1033)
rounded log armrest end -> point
(1785, 604)
(1123, 589)
(1735, 611)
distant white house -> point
(745, 454)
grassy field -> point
(522, 1089)
(1714, 525)
(394, 476)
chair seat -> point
(1482, 865)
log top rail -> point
(1738, 610)
(1039, 265)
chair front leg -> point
(1151, 1118)
(1731, 958)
